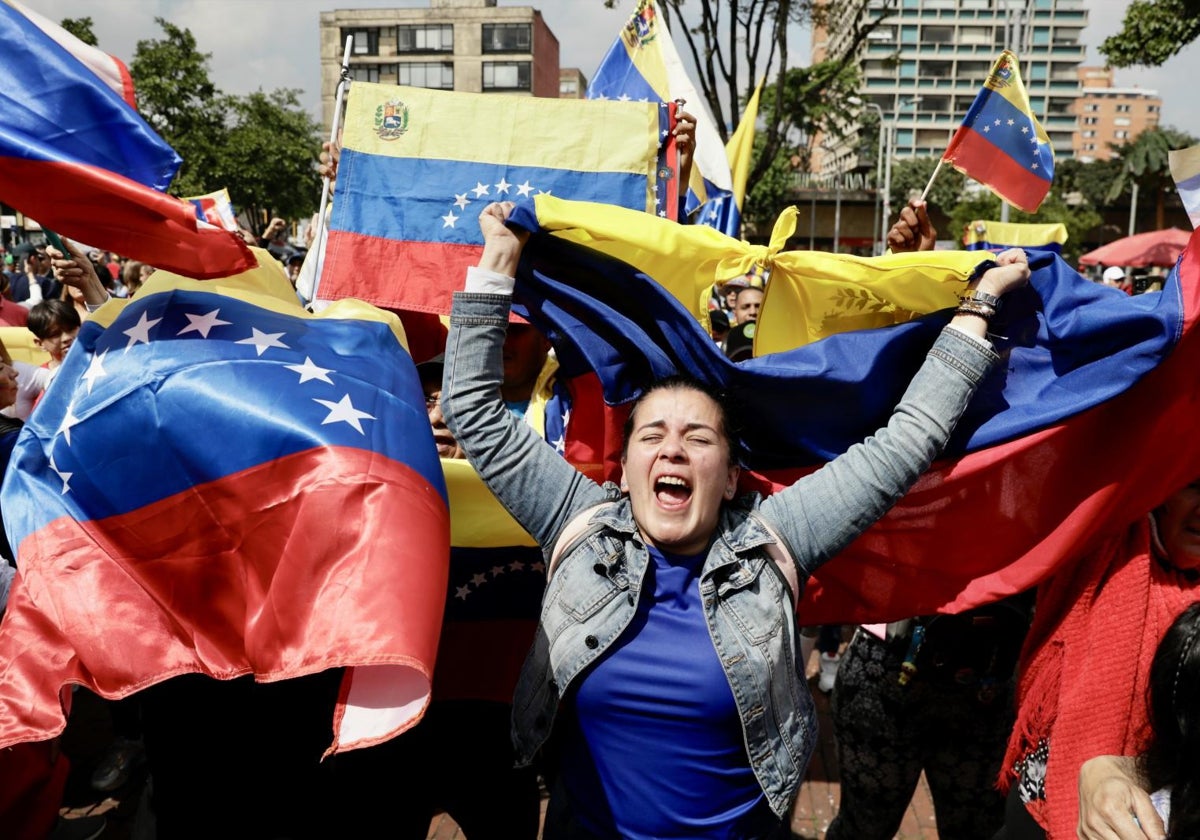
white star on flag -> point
(497, 571)
(343, 411)
(503, 186)
(986, 129)
(1035, 166)
(1012, 122)
(462, 592)
(461, 201)
(68, 421)
(624, 97)
(65, 476)
(543, 192)
(539, 566)
(602, 98)
(449, 219)
(524, 189)
(480, 190)
(1024, 129)
(309, 371)
(262, 340)
(516, 566)
(479, 579)
(997, 122)
(140, 332)
(203, 323)
(95, 370)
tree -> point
(909, 178)
(177, 97)
(1145, 162)
(268, 154)
(81, 28)
(1090, 180)
(261, 147)
(1152, 32)
(734, 42)
(1079, 220)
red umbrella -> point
(1158, 247)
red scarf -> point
(1086, 664)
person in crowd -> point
(930, 694)
(718, 323)
(747, 304)
(1087, 665)
(829, 648)
(660, 597)
(35, 282)
(1116, 277)
(1159, 788)
(133, 275)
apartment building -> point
(1110, 115)
(467, 45)
(572, 84)
(924, 63)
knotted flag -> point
(983, 235)
(219, 482)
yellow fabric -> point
(265, 285)
(811, 294)
(477, 519)
(18, 341)
(1015, 234)
(741, 145)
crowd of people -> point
(664, 693)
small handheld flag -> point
(1001, 144)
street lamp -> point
(887, 172)
(881, 130)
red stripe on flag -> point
(360, 266)
(972, 154)
(102, 208)
(331, 557)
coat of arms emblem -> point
(391, 119)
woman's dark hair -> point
(45, 316)
(730, 425)
(1172, 758)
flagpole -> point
(932, 177)
(326, 188)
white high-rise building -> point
(926, 61)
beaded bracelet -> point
(972, 307)
(982, 297)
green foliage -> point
(1152, 32)
(1145, 162)
(81, 28)
(985, 205)
(1090, 180)
(909, 178)
(267, 156)
(814, 98)
(767, 195)
(261, 147)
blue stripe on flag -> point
(997, 121)
(200, 403)
(422, 200)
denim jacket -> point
(599, 559)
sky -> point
(271, 44)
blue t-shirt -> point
(653, 743)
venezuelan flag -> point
(983, 235)
(418, 165)
(1001, 144)
(1185, 170)
(75, 156)
(643, 65)
(219, 482)
(1085, 425)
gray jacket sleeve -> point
(537, 486)
(823, 512)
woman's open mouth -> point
(672, 491)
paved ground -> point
(87, 735)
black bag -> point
(979, 645)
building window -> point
(1121, 135)
(507, 37)
(568, 88)
(1089, 147)
(365, 72)
(437, 37)
(1152, 109)
(432, 74)
(366, 41)
(1090, 120)
(1123, 108)
(1091, 107)
(1089, 134)
(506, 75)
